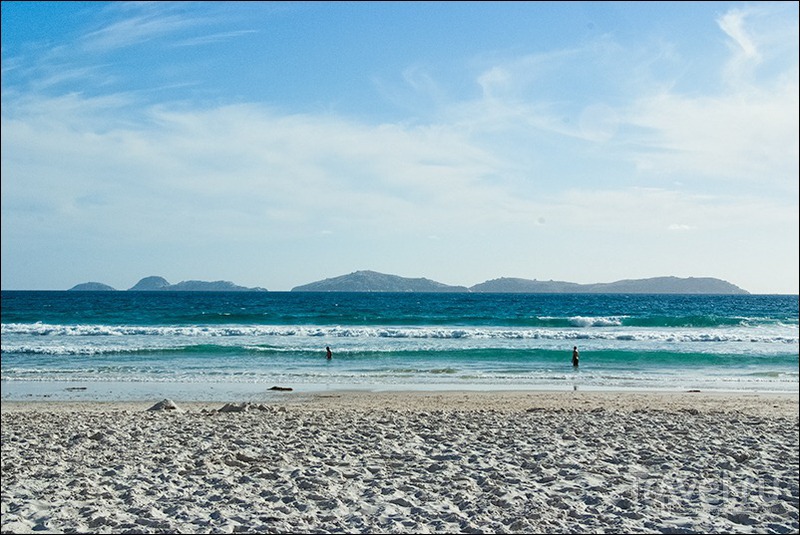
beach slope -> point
(522, 462)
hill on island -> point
(160, 284)
(92, 287)
(371, 281)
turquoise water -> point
(140, 345)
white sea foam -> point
(774, 334)
(583, 321)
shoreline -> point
(223, 392)
(773, 403)
(406, 462)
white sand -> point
(406, 462)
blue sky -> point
(274, 144)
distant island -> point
(372, 281)
(655, 285)
(92, 287)
(160, 284)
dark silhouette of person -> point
(575, 356)
(328, 351)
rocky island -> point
(371, 281)
(160, 284)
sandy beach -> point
(406, 462)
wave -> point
(367, 313)
(773, 334)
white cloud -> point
(287, 171)
(749, 136)
(530, 172)
(762, 38)
(733, 24)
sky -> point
(274, 144)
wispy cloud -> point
(135, 30)
(746, 130)
(761, 39)
(733, 24)
(175, 24)
(213, 38)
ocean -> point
(236, 346)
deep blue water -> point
(228, 344)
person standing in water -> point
(328, 352)
(575, 356)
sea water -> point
(237, 345)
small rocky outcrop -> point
(165, 405)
